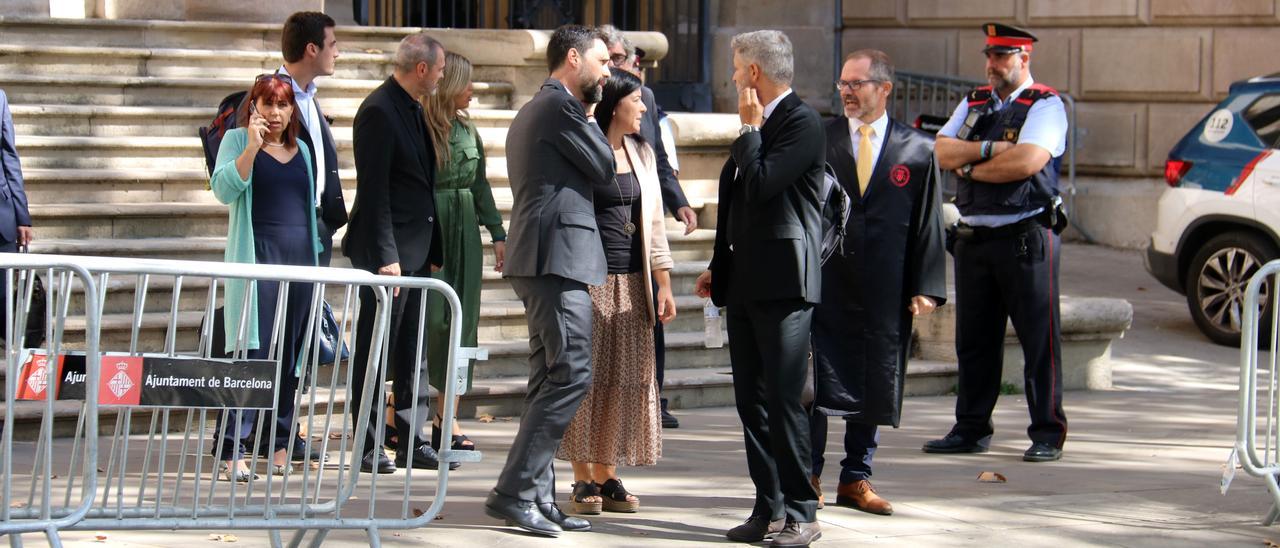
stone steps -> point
(74, 89)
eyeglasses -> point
(854, 85)
(618, 59)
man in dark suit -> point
(622, 55)
(555, 155)
(310, 49)
(393, 232)
(15, 220)
(892, 268)
(766, 269)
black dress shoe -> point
(954, 443)
(520, 513)
(796, 534)
(669, 421)
(300, 451)
(424, 458)
(569, 523)
(1042, 452)
(755, 529)
(377, 461)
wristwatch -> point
(967, 171)
(747, 128)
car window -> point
(1264, 117)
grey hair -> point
(417, 48)
(611, 35)
(770, 50)
(881, 65)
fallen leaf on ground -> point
(18, 505)
(417, 512)
(1270, 543)
(99, 537)
(220, 537)
(485, 418)
(992, 477)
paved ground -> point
(1142, 463)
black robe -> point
(893, 251)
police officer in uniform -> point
(1005, 142)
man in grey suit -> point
(555, 155)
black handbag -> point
(330, 337)
(37, 314)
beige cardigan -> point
(653, 224)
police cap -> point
(1004, 39)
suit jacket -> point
(13, 196)
(673, 197)
(893, 250)
(554, 157)
(333, 206)
(769, 231)
(393, 219)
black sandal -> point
(459, 442)
(616, 497)
(583, 490)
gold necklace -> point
(627, 226)
(271, 144)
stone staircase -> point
(106, 132)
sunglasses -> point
(277, 75)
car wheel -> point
(1216, 282)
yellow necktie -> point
(864, 159)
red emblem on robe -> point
(900, 175)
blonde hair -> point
(440, 111)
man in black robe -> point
(892, 268)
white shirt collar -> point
(769, 108)
(306, 93)
(878, 127)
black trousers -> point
(769, 348)
(404, 333)
(1012, 277)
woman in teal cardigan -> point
(264, 174)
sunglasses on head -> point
(277, 75)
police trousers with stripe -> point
(1009, 277)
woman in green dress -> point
(464, 202)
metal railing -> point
(170, 475)
(1257, 445)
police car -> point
(1219, 221)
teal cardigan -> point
(237, 193)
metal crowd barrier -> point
(1257, 447)
(33, 496)
(160, 467)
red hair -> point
(274, 88)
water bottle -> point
(713, 337)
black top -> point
(280, 191)
(613, 199)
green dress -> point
(464, 202)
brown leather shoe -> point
(817, 486)
(755, 529)
(860, 495)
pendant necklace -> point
(627, 225)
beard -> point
(590, 88)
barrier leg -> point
(319, 538)
(55, 541)
(375, 538)
(15, 540)
(1272, 515)
(276, 541)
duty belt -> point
(983, 233)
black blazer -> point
(393, 219)
(768, 232)
(673, 197)
(333, 206)
(555, 157)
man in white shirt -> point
(1004, 141)
(310, 50)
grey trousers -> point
(559, 314)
